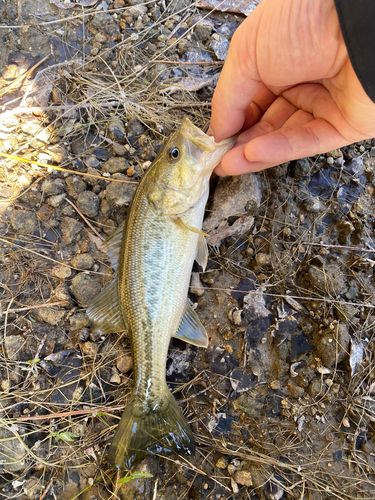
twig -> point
(53, 167)
(84, 218)
(356, 249)
(190, 105)
(198, 393)
(46, 490)
(61, 303)
(203, 63)
(71, 413)
(155, 489)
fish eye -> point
(174, 154)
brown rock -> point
(124, 363)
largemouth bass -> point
(154, 254)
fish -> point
(153, 255)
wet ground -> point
(282, 401)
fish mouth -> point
(202, 141)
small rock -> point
(89, 348)
(313, 205)
(335, 153)
(275, 385)
(79, 320)
(45, 212)
(302, 168)
(134, 171)
(334, 345)
(316, 388)
(91, 162)
(196, 286)
(62, 293)
(328, 279)
(119, 149)
(203, 29)
(115, 377)
(92, 181)
(55, 201)
(88, 203)
(13, 347)
(222, 463)
(75, 186)
(70, 229)
(263, 259)
(115, 164)
(220, 46)
(53, 187)
(243, 477)
(61, 271)
(24, 221)
(83, 261)
(124, 363)
(253, 407)
(135, 127)
(50, 315)
(12, 452)
(116, 130)
(85, 288)
(118, 194)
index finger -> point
(238, 84)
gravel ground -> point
(282, 401)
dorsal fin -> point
(191, 329)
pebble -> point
(333, 347)
(115, 377)
(75, 186)
(249, 405)
(83, 261)
(55, 201)
(53, 187)
(24, 222)
(119, 149)
(13, 347)
(89, 348)
(263, 259)
(135, 127)
(328, 279)
(61, 271)
(222, 463)
(12, 451)
(62, 293)
(220, 47)
(85, 288)
(79, 320)
(124, 363)
(243, 477)
(50, 315)
(88, 203)
(116, 130)
(196, 286)
(119, 195)
(70, 229)
(115, 164)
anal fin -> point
(105, 312)
(191, 329)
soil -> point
(282, 402)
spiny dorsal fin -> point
(202, 252)
(191, 329)
(105, 312)
(112, 245)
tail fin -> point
(145, 429)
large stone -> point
(120, 194)
(334, 345)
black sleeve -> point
(357, 21)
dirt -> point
(282, 401)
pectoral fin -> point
(202, 252)
(191, 329)
(191, 228)
(112, 245)
(105, 312)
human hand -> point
(289, 87)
